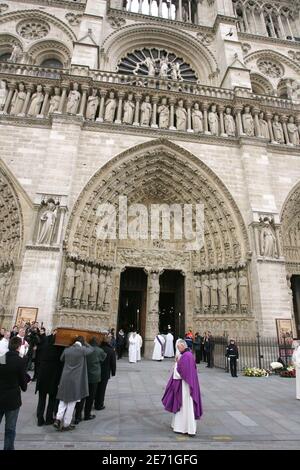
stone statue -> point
(181, 116)
(154, 289)
(3, 94)
(92, 105)
(73, 100)
(101, 290)
(248, 122)
(146, 111)
(278, 130)
(293, 131)
(197, 118)
(78, 289)
(175, 71)
(15, 54)
(94, 288)
(213, 120)
(69, 283)
(229, 123)
(164, 114)
(18, 100)
(8, 285)
(129, 108)
(222, 286)
(108, 291)
(54, 101)
(214, 291)
(86, 286)
(232, 290)
(150, 64)
(263, 127)
(110, 108)
(197, 285)
(205, 292)
(36, 102)
(163, 68)
(267, 240)
(47, 223)
(243, 290)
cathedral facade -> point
(163, 102)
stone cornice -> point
(56, 249)
(65, 4)
(267, 39)
(223, 19)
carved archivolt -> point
(269, 55)
(130, 38)
(7, 42)
(260, 84)
(158, 172)
(50, 49)
(290, 219)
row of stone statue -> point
(144, 111)
(225, 291)
(87, 287)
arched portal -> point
(157, 172)
(290, 219)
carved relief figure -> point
(164, 113)
(214, 292)
(86, 286)
(3, 94)
(154, 289)
(150, 64)
(278, 130)
(110, 108)
(222, 286)
(293, 131)
(197, 118)
(175, 71)
(108, 291)
(263, 127)
(101, 291)
(92, 105)
(78, 289)
(197, 287)
(36, 102)
(18, 100)
(47, 223)
(15, 54)
(163, 68)
(229, 123)
(54, 101)
(94, 288)
(248, 122)
(73, 100)
(146, 111)
(267, 240)
(129, 107)
(213, 120)
(205, 292)
(243, 290)
(69, 283)
(232, 290)
(181, 116)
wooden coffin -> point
(67, 336)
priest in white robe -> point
(139, 344)
(159, 347)
(169, 348)
(132, 349)
(296, 363)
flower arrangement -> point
(276, 365)
(255, 372)
(288, 372)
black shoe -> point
(69, 428)
(87, 418)
(77, 420)
(49, 421)
(57, 424)
(98, 408)
(41, 422)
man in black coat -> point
(108, 368)
(13, 379)
(50, 369)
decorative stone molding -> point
(295, 55)
(290, 218)
(205, 38)
(270, 55)
(116, 22)
(73, 18)
(33, 30)
(246, 47)
(45, 49)
(270, 68)
(3, 8)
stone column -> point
(282, 32)
(152, 318)
(121, 95)
(154, 111)
(221, 115)
(29, 89)
(11, 88)
(63, 97)
(205, 118)
(199, 2)
(138, 98)
(284, 120)
(172, 102)
(263, 23)
(101, 109)
(256, 122)
(160, 8)
(45, 102)
(189, 116)
(239, 125)
(179, 16)
(84, 89)
(269, 120)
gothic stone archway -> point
(156, 172)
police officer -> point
(232, 353)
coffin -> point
(67, 336)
